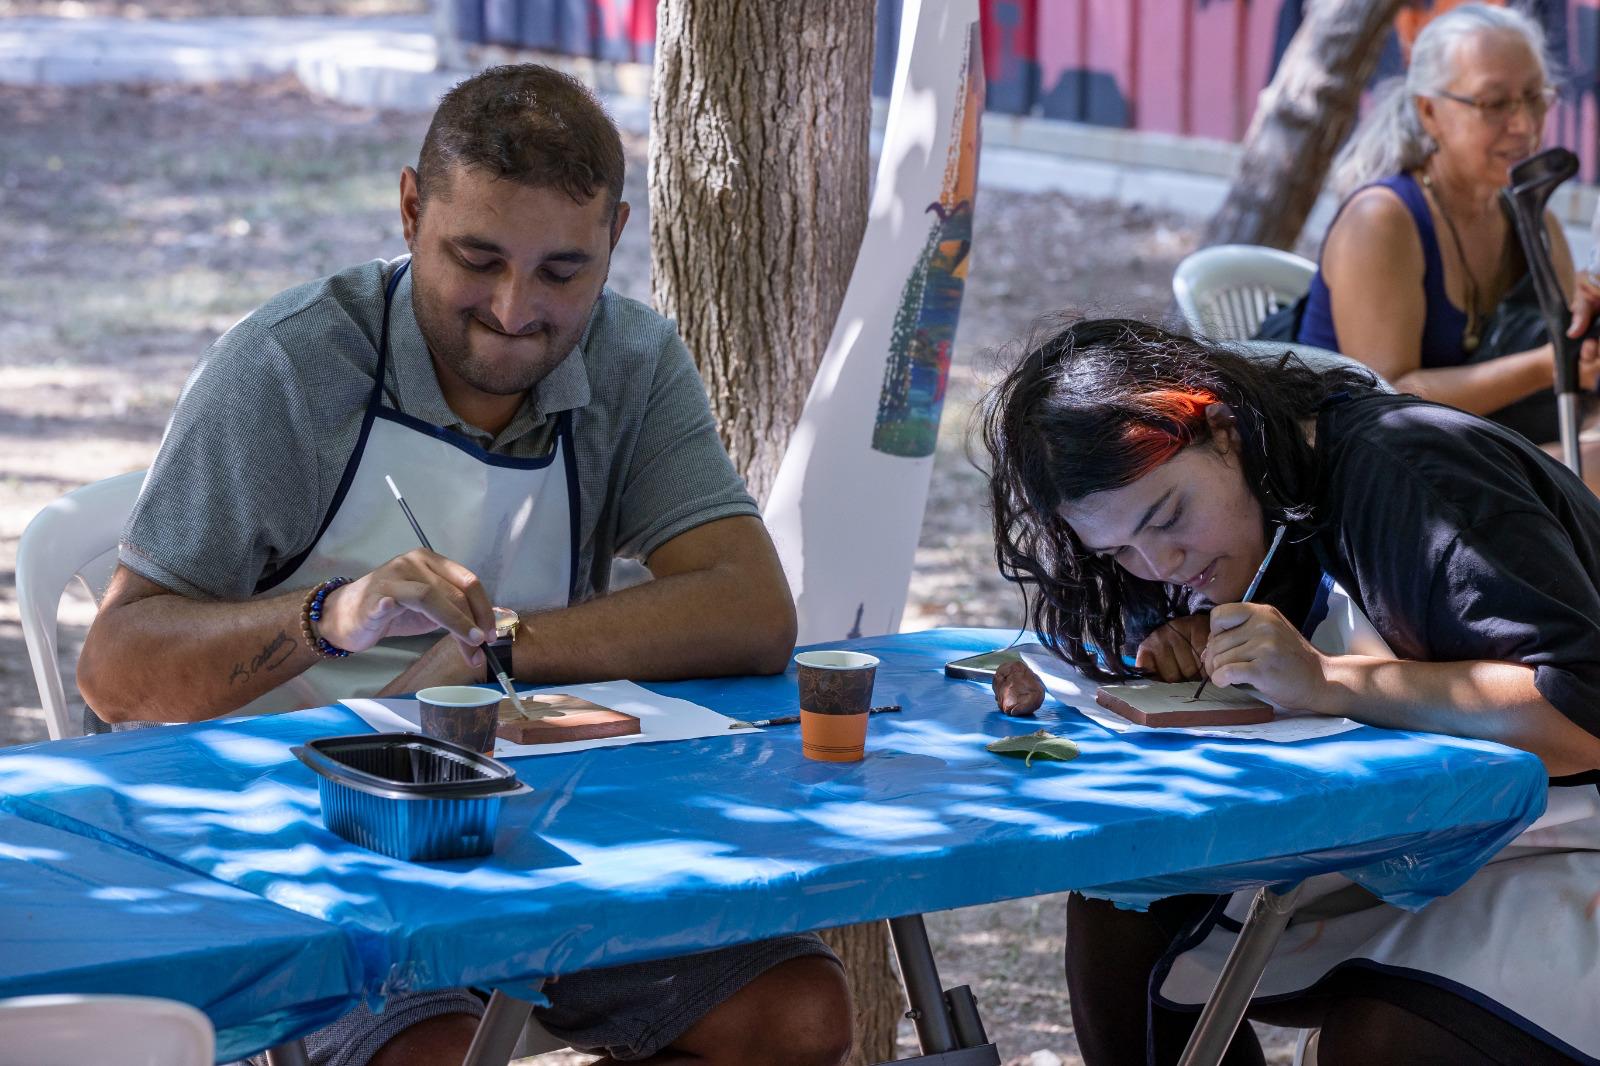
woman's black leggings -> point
(1366, 1018)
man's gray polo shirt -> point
(271, 415)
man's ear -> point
(619, 219)
(1224, 427)
(410, 206)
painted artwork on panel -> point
(847, 503)
(930, 304)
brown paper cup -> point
(835, 693)
(461, 714)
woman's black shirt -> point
(1462, 541)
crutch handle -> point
(1567, 353)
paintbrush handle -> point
(1255, 582)
(415, 526)
(791, 719)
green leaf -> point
(1044, 744)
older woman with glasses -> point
(1421, 264)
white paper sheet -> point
(660, 718)
(1077, 692)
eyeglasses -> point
(1497, 110)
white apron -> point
(512, 522)
(1521, 938)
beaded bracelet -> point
(311, 611)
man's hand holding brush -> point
(410, 595)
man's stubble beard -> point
(506, 379)
(446, 332)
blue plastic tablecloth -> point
(78, 915)
(653, 850)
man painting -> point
(539, 426)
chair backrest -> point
(73, 538)
(103, 1031)
(1226, 291)
(1318, 359)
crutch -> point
(1532, 182)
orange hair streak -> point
(1174, 419)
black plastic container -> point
(410, 796)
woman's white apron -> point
(512, 522)
(1521, 938)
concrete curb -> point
(59, 51)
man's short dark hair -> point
(527, 123)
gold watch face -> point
(505, 622)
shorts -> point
(627, 1012)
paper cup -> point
(835, 695)
(461, 714)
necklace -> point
(1470, 336)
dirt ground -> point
(140, 222)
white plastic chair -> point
(74, 537)
(1226, 291)
(536, 1040)
(103, 1031)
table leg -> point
(948, 1027)
(498, 1031)
(291, 1054)
(1269, 915)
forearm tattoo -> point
(274, 655)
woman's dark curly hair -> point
(1097, 404)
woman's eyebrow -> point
(1149, 514)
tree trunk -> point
(1302, 119)
(879, 1003)
(760, 116)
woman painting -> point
(1421, 253)
(1137, 476)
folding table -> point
(655, 850)
(80, 915)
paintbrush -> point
(791, 719)
(494, 660)
(1255, 582)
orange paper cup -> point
(833, 737)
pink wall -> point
(1197, 67)
(1188, 67)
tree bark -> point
(759, 170)
(760, 116)
(1303, 117)
(879, 1003)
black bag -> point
(1282, 324)
(1516, 325)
